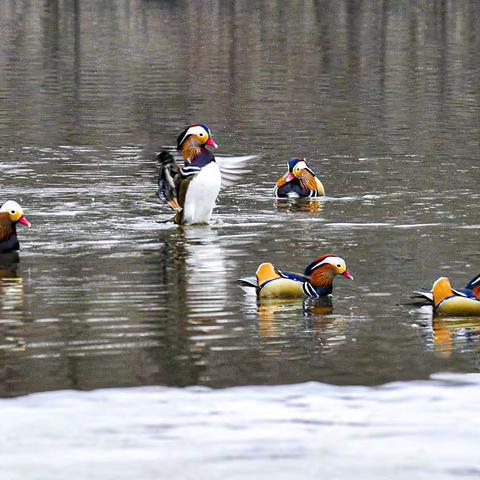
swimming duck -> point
(316, 281)
(450, 302)
(299, 181)
(11, 213)
(191, 190)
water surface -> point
(382, 99)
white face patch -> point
(337, 262)
(196, 130)
(11, 207)
(300, 166)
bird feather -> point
(233, 168)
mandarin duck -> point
(451, 302)
(191, 190)
(11, 213)
(299, 181)
(316, 281)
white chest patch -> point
(201, 195)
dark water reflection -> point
(382, 98)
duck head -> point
(296, 167)
(324, 269)
(197, 135)
(15, 212)
(191, 142)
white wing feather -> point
(232, 168)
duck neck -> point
(322, 278)
(191, 149)
(8, 234)
(198, 156)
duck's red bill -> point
(211, 143)
(24, 221)
(290, 177)
(347, 274)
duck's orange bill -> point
(347, 274)
(211, 142)
(24, 221)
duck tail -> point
(266, 272)
(441, 290)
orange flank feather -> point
(266, 272)
(441, 290)
(476, 292)
(307, 180)
(282, 181)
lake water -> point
(381, 97)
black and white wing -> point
(233, 168)
(168, 174)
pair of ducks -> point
(191, 191)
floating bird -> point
(191, 190)
(317, 280)
(450, 302)
(471, 290)
(11, 213)
(299, 181)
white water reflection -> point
(206, 269)
(12, 304)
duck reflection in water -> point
(8, 265)
(311, 321)
(305, 205)
(195, 269)
(454, 334)
(11, 285)
(270, 309)
(11, 296)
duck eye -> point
(12, 212)
(338, 265)
(200, 134)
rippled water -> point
(381, 97)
